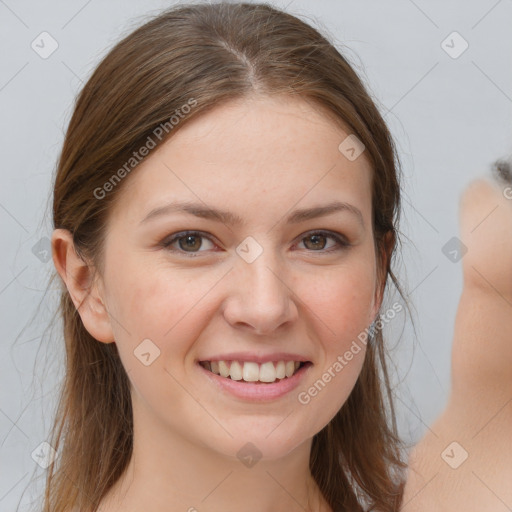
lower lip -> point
(258, 392)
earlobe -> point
(84, 291)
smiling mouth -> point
(248, 371)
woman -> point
(225, 211)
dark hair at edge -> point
(213, 53)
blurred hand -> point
(464, 462)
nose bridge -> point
(265, 281)
(260, 298)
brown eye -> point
(187, 242)
(192, 242)
(317, 242)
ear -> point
(85, 294)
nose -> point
(259, 298)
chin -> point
(265, 443)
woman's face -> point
(265, 277)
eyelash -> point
(340, 241)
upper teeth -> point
(253, 372)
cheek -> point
(340, 307)
(163, 306)
(341, 300)
(158, 303)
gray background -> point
(451, 118)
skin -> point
(259, 158)
(478, 415)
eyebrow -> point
(231, 219)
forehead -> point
(253, 150)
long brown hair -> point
(212, 53)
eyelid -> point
(340, 239)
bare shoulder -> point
(464, 462)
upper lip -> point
(257, 358)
